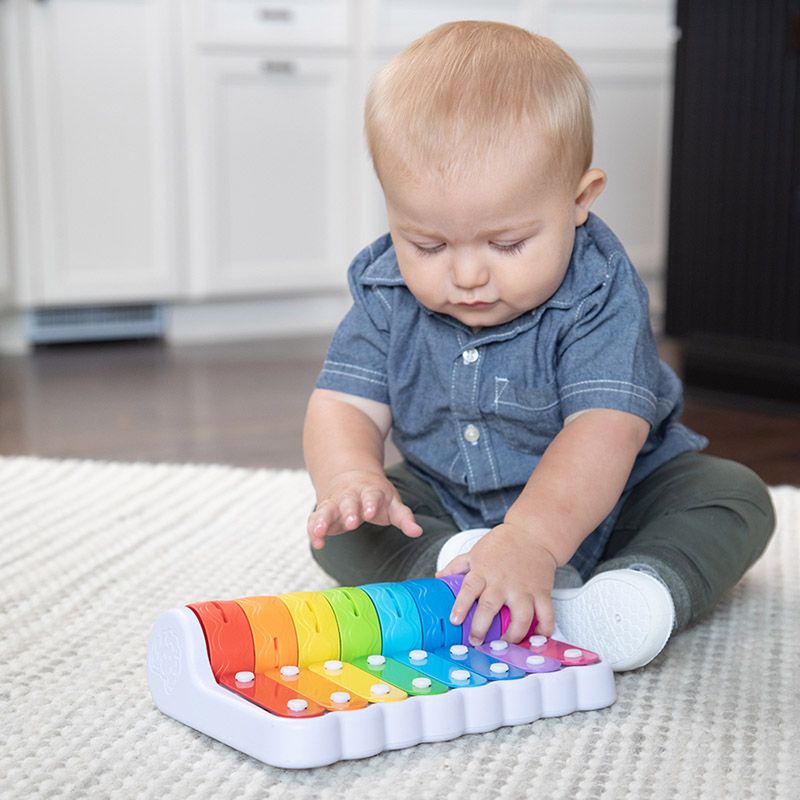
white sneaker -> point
(458, 544)
(624, 615)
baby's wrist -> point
(533, 532)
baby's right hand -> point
(355, 497)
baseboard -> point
(13, 338)
(255, 319)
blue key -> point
(440, 669)
(476, 661)
(401, 628)
(435, 602)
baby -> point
(502, 335)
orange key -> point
(330, 695)
(274, 636)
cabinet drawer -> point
(276, 22)
(399, 22)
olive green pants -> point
(699, 521)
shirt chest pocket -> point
(527, 418)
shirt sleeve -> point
(356, 359)
(607, 356)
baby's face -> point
(487, 248)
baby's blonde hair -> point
(469, 88)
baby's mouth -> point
(476, 304)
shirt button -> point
(469, 356)
(472, 434)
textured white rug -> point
(91, 553)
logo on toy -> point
(165, 658)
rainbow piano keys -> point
(309, 678)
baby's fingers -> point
(320, 523)
(350, 511)
(471, 588)
(401, 516)
(332, 517)
(521, 618)
(488, 608)
(372, 502)
(545, 616)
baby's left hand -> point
(505, 567)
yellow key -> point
(360, 683)
(315, 624)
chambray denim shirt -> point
(472, 412)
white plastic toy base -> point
(183, 687)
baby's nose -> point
(469, 271)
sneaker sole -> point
(624, 616)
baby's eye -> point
(509, 249)
(428, 251)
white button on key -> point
(572, 652)
(376, 660)
(244, 677)
(498, 668)
(538, 641)
(472, 434)
(499, 645)
(458, 650)
(379, 689)
(297, 704)
(290, 671)
(340, 697)
(333, 665)
(535, 661)
(421, 683)
(418, 655)
(469, 356)
(459, 675)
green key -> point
(357, 620)
(399, 675)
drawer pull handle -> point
(278, 67)
(275, 14)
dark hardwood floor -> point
(243, 403)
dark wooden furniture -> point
(733, 281)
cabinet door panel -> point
(631, 119)
(104, 150)
(269, 178)
(5, 219)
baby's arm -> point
(574, 487)
(343, 441)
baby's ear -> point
(589, 189)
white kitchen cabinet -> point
(6, 272)
(5, 223)
(632, 114)
(209, 153)
(95, 148)
(5, 232)
(269, 181)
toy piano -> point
(309, 678)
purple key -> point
(520, 657)
(494, 632)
